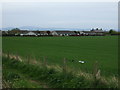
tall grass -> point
(59, 77)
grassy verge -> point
(18, 74)
(12, 78)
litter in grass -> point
(81, 61)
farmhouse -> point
(30, 34)
(98, 32)
(94, 33)
(42, 33)
(27, 33)
(79, 33)
(63, 33)
(89, 33)
(4, 33)
(54, 33)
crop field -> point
(103, 49)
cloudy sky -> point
(61, 14)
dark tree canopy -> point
(15, 29)
(112, 31)
(48, 32)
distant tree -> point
(92, 29)
(48, 32)
(15, 31)
(97, 29)
(78, 32)
(101, 29)
(111, 31)
(75, 31)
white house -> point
(54, 33)
(28, 34)
(62, 33)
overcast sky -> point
(61, 14)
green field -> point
(103, 49)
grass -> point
(103, 49)
(12, 78)
(16, 80)
(19, 75)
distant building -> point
(98, 32)
(4, 33)
(28, 34)
(53, 33)
(63, 33)
(43, 33)
(94, 33)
